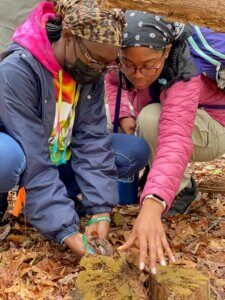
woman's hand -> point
(149, 232)
(74, 242)
(101, 228)
(128, 125)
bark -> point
(208, 13)
(212, 186)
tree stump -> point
(177, 283)
(111, 278)
(208, 13)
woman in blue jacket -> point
(53, 137)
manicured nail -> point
(142, 266)
(153, 271)
(173, 259)
(163, 263)
(119, 248)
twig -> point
(216, 222)
(218, 297)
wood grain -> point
(208, 13)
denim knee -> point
(12, 163)
(132, 154)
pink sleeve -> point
(174, 145)
(111, 85)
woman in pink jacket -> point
(166, 92)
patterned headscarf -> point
(84, 18)
(148, 30)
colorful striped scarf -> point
(67, 95)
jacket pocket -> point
(202, 135)
(208, 138)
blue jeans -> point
(131, 153)
(12, 163)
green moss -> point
(179, 280)
(118, 219)
(106, 277)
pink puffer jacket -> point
(174, 147)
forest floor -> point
(33, 268)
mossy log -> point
(108, 278)
(209, 13)
(177, 283)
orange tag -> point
(20, 202)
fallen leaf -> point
(69, 279)
(4, 231)
(16, 238)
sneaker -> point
(3, 205)
(183, 200)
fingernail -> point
(153, 271)
(173, 259)
(142, 266)
(121, 249)
(163, 263)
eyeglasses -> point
(92, 63)
(145, 71)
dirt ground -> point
(33, 268)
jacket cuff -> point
(99, 210)
(121, 116)
(66, 232)
(125, 115)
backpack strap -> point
(208, 58)
(117, 106)
(201, 53)
(206, 45)
(205, 56)
(213, 106)
(211, 60)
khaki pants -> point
(12, 14)
(208, 136)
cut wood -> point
(206, 13)
(177, 283)
(213, 186)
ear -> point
(167, 52)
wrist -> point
(72, 238)
(101, 215)
(153, 206)
(125, 117)
(156, 202)
(75, 244)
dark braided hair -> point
(178, 65)
(54, 29)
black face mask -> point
(81, 73)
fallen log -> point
(202, 12)
(177, 283)
(213, 186)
